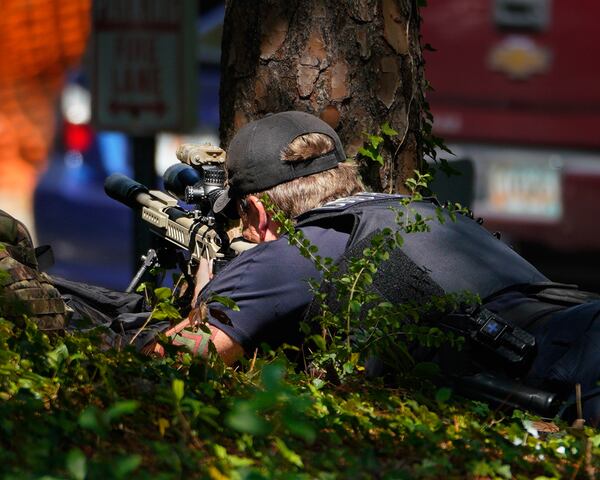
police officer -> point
(297, 160)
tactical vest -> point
(453, 256)
(456, 256)
(24, 290)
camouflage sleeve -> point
(24, 290)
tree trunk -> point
(355, 63)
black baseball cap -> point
(254, 159)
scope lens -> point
(179, 176)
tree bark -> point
(354, 63)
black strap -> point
(566, 294)
(529, 312)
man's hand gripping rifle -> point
(199, 180)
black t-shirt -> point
(270, 285)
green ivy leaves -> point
(374, 143)
(109, 414)
(275, 406)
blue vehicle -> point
(90, 233)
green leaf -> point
(166, 311)
(348, 367)
(125, 465)
(492, 468)
(162, 293)
(388, 131)
(225, 301)
(244, 418)
(220, 451)
(238, 462)
(272, 376)
(398, 239)
(178, 388)
(76, 464)
(504, 471)
(355, 306)
(288, 454)
(318, 383)
(439, 213)
(367, 153)
(319, 341)
(443, 395)
(375, 141)
(57, 356)
(299, 427)
(124, 407)
(90, 420)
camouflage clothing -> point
(24, 290)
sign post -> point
(144, 78)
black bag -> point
(121, 314)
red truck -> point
(517, 97)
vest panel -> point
(457, 255)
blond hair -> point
(305, 193)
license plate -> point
(524, 191)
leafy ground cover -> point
(71, 409)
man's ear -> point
(257, 215)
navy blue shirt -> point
(270, 285)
